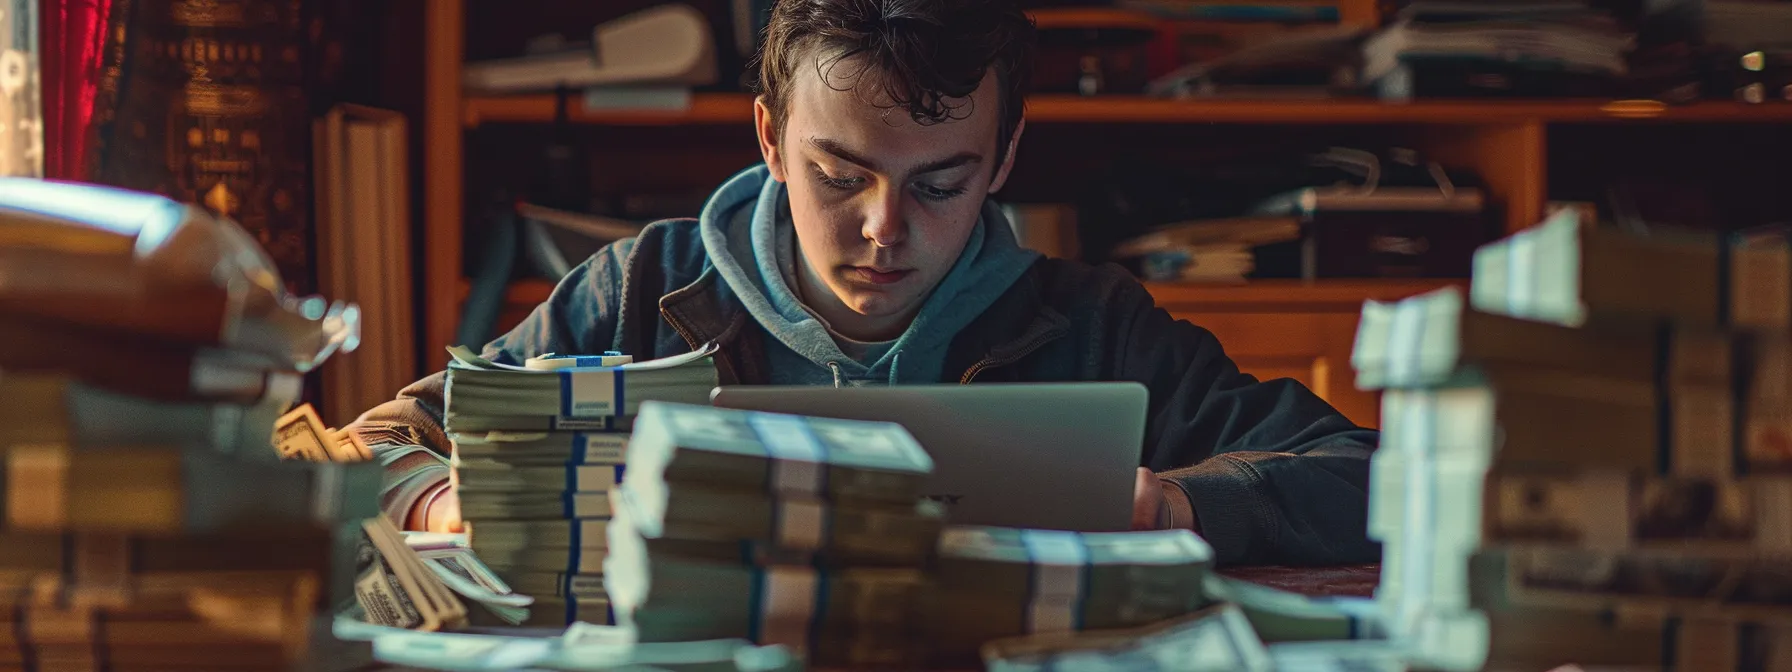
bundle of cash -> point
(779, 529)
(1687, 400)
(1280, 616)
(486, 396)
(1600, 429)
(1569, 269)
(168, 490)
(537, 449)
(1555, 608)
(147, 520)
(397, 589)
(992, 583)
(1215, 639)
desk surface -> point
(1345, 581)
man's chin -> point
(875, 304)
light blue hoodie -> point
(748, 235)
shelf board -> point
(1271, 294)
(737, 108)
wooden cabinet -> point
(1302, 331)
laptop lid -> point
(1038, 455)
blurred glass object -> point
(21, 101)
(110, 259)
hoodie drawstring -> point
(835, 367)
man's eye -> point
(841, 183)
(937, 194)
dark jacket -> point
(1275, 474)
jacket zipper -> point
(990, 362)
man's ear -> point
(768, 138)
(1008, 158)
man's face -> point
(882, 205)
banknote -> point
(395, 588)
(463, 573)
(383, 598)
(301, 435)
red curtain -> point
(73, 37)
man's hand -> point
(1157, 505)
(1147, 501)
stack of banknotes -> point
(809, 533)
(1584, 459)
(147, 349)
(992, 583)
(537, 450)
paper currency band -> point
(1057, 567)
(608, 449)
(610, 358)
(1666, 339)
(582, 505)
(784, 604)
(575, 479)
(592, 392)
(797, 460)
(571, 598)
(575, 553)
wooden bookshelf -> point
(735, 108)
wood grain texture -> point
(1510, 159)
(443, 195)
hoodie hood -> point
(748, 235)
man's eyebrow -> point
(840, 151)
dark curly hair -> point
(923, 54)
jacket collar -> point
(700, 313)
(1018, 323)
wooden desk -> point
(1345, 581)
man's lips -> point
(876, 275)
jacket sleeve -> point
(1275, 474)
(578, 317)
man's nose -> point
(883, 218)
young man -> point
(865, 251)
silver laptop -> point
(1041, 455)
